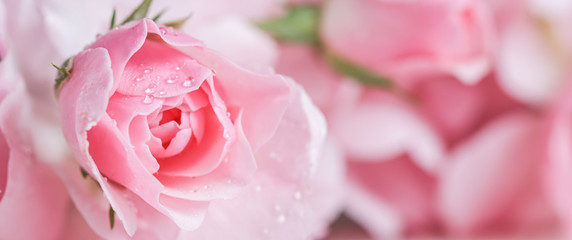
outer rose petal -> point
(49, 20)
(399, 195)
(83, 109)
(306, 66)
(488, 173)
(457, 110)
(373, 125)
(528, 68)
(250, 47)
(403, 39)
(281, 200)
(33, 195)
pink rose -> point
(167, 127)
(409, 160)
(406, 39)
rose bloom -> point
(185, 143)
(407, 39)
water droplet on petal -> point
(172, 78)
(148, 90)
(177, 68)
(281, 218)
(139, 78)
(148, 99)
(148, 70)
(187, 83)
(163, 31)
(227, 114)
(162, 93)
(297, 195)
(226, 135)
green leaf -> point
(112, 24)
(63, 72)
(159, 15)
(300, 24)
(139, 13)
(359, 73)
(84, 173)
(178, 24)
(111, 217)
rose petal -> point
(373, 125)
(410, 198)
(159, 70)
(224, 182)
(32, 195)
(92, 70)
(477, 188)
(528, 69)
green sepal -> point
(178, 24)
(139, 13)
(111, 217)
(156, 18)
(359, 73)
(300, 24)
(63, 72)
(84, 173)
(112, 24)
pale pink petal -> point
(76, 226)
(310, 70)
(487, 173)
(373, 125)
(529, 70)
(4, 159)
(559, 166)
(328, 195)
(406, 188)
(378, 217)
(92, 70)
(32, 195)
(250, 47)
(457, 110)
(49, 21)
